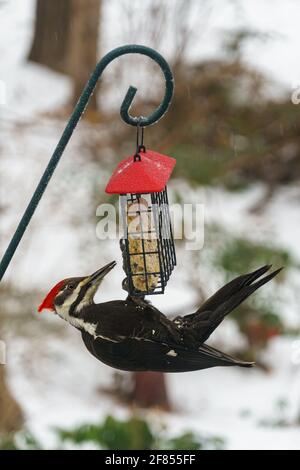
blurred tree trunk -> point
(66, 39)
(83, 40)
(150, 390)
(50, 41)
(11, 418)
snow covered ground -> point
(60, 384)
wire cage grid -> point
(149, 252)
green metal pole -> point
(73, 121)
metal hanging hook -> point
(73, 121)
(163, 107)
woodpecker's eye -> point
(71, 286)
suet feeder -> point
(147, 245)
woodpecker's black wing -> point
(135, 336)
(130, 319)
(138, 354)
(199, 326)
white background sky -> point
(280, 55)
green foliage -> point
(8, 443)
(198, 165)
(23, 440)
(271, 319)
(134, 434)
(113, 434)
(240, 255)
(189, 441)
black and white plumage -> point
(133, 335)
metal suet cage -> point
(147, 245)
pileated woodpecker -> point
(133, 335)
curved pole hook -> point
(73, 121)
(163, 107)
(127, 102)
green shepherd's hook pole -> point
(73, 121)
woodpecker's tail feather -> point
(222, 358)
(226, 299)
(233, 287)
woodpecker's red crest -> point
(48, 302)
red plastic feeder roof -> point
(149, 175)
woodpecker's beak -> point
(97, 277)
